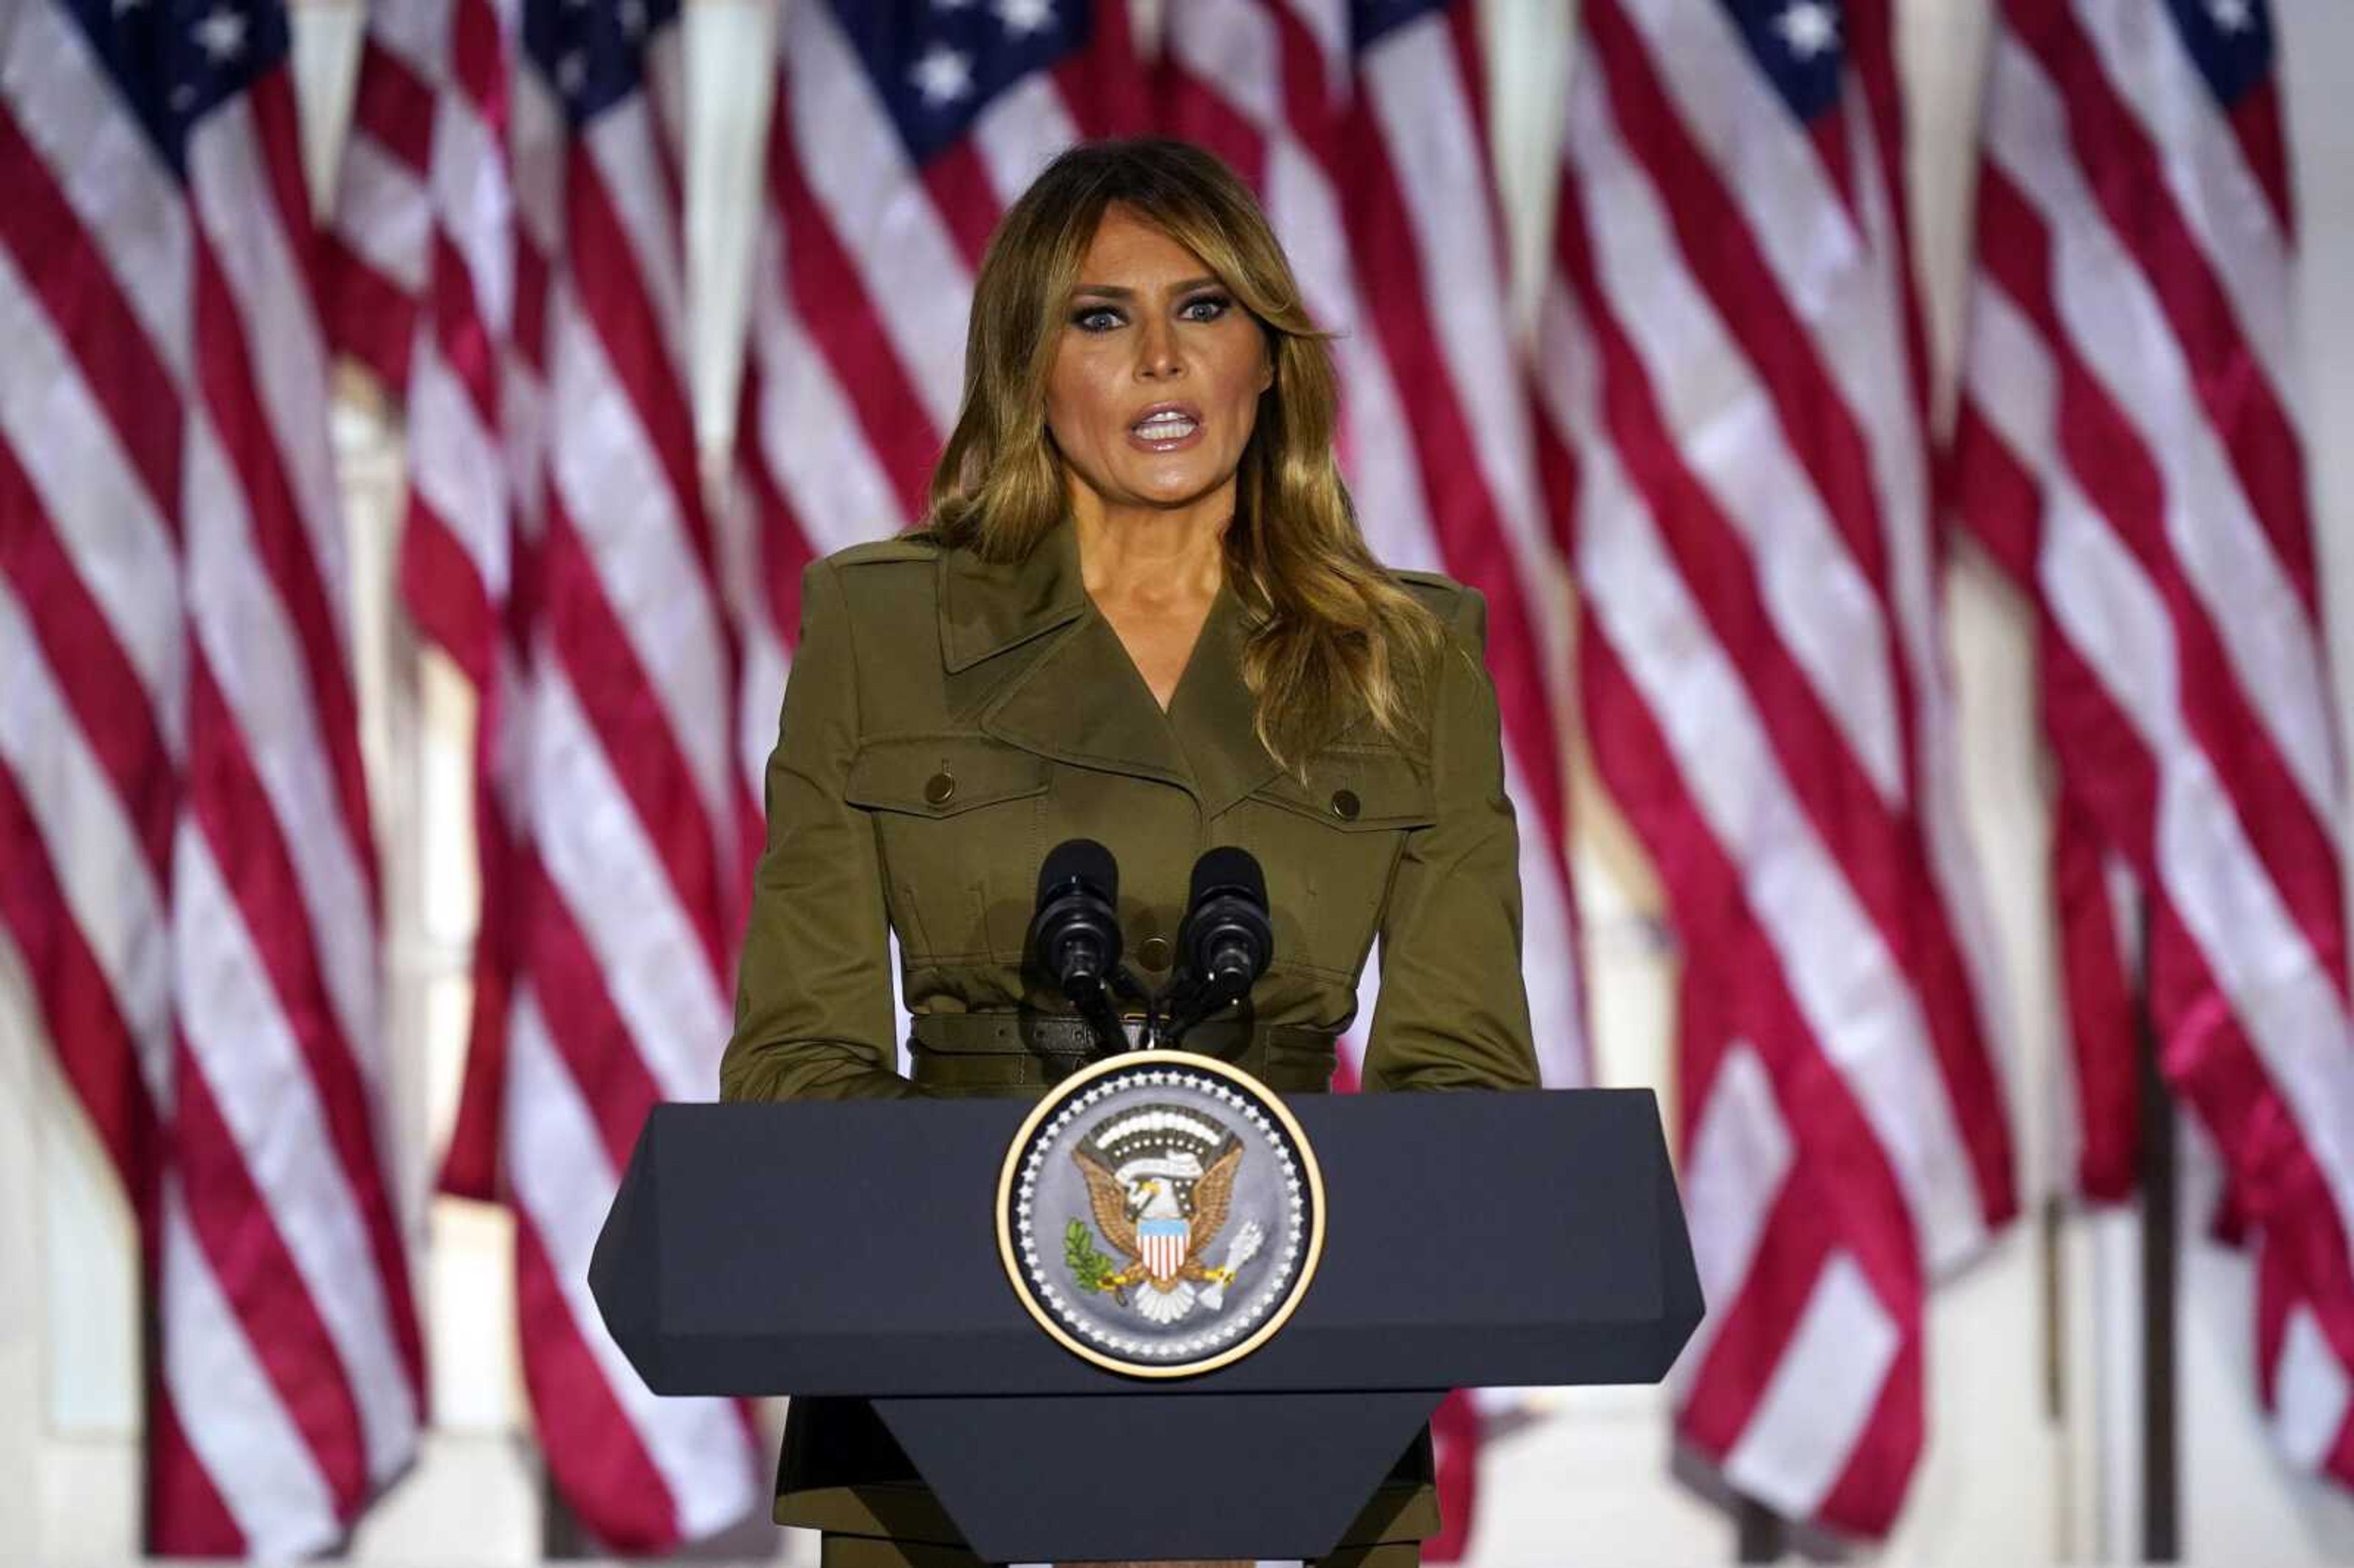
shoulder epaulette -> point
(902, 548)
(1433, 586)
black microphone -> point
(1225, 940)
(1075, 931)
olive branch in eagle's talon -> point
(1092, 1271)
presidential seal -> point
(1161, 1214)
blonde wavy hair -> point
(1332, 635)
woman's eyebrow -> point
(1115, 292)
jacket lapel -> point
(1070, 691)
(1213, 713)
(1049, 674)
(1082, 702)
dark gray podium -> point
(1473, 1239)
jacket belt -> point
(1001, 1053)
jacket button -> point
(1153, 952)
(939, 789)
(1344, 805)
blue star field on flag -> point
(177, 61)
(2231, 42)
(1798, 44)
(593, 52)
(938, 64)
(1369, 21)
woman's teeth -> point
(1165, 427)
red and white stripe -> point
(862, 279)
(421, 276)
(182, 812)
(2128, 446)
(379, 243)
(1730, 358)
(556, 547)
(1373, 165)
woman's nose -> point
(1156, 354)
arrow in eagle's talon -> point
(1244, 1247)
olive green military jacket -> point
(950, 721)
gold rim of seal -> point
(1126, 1062)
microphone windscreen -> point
(1083, 861)
(1228, 869)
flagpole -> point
(561, 1532)
(151, 1383)
(1760, 1535)
(2160, 1271)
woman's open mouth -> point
(1166, 428)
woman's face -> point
(1157, 374)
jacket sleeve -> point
(814, 1018)
(1453, 1011)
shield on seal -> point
(1162, 1244)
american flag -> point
(2128, 446)
(184, 825)
(901, 133)
(558, 547)
(1731, 355)
(1361, 124)
(420, 281)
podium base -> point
(999, 1466)
(845, 1473)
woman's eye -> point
(1096, 318)
(1206, 308)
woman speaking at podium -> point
(1140, 612)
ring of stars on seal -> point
(1161, 1214)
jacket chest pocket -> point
(1328, 845)
(961, 821)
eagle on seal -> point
(1163, 1212)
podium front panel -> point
(850, 1248)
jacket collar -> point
(989, 607)
(1080, 699)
